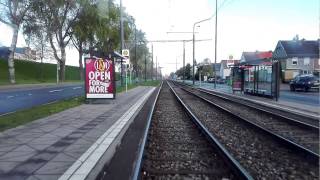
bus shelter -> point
(260, 79)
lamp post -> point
(193, 46)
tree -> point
(37, 40)
(188, 69)
(57, 18)
(83, 30)
(13, 13)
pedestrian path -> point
(50, 147)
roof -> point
(257, 55)
(299, 48)
(217, 66)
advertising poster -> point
(99, 78)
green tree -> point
(83, 30)
(56, 19)
(12, 13)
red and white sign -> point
(99, 78)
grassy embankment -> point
(29, 72)
(22, 117)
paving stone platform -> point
(46, 148)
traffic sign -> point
(125, 52)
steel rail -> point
(310, 154)
(138, 165)
(269, 112)
(290, 120)
(230, 160)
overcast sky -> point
(243, 25)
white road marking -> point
(10, 97)
(56, 90)
(29, 94)
(77, 88)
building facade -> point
(297, 57)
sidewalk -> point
(59, 145)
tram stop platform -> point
(294, 107)
(73, 144)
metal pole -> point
(126, 81)
(176, 64)
(193, 38)
(156, 68)
(215, 47)
(152, 62)
(58, 64)
(121, 41)
(135, 47)
(145, 68)
(184, 56)
(200, 77)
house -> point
(256, 58)
(216, 67)
(24, 53)
(225, 67)
(297, 57)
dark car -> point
(304, 82)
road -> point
(12, 100)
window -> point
(306, 61)
(294, 61)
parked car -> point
(210, 80)
(304, 82)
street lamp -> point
(193, 44)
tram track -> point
(263, 155)
(297, 132)
(176, 146)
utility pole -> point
(215, 46)
(135, 47)
(152, 62)
(156, 68)
(121, 41)
(184, 56)
(176, 64)
(145, 68)
(193, 42)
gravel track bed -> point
(260, 154)
(298, 134)
(176, 149)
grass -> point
(29, 72)
(25, 116)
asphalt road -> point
(308, 98)
(12, 100)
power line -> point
(168, 41)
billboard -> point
(99, 78)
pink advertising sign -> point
(99, 82)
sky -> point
(243, 25)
